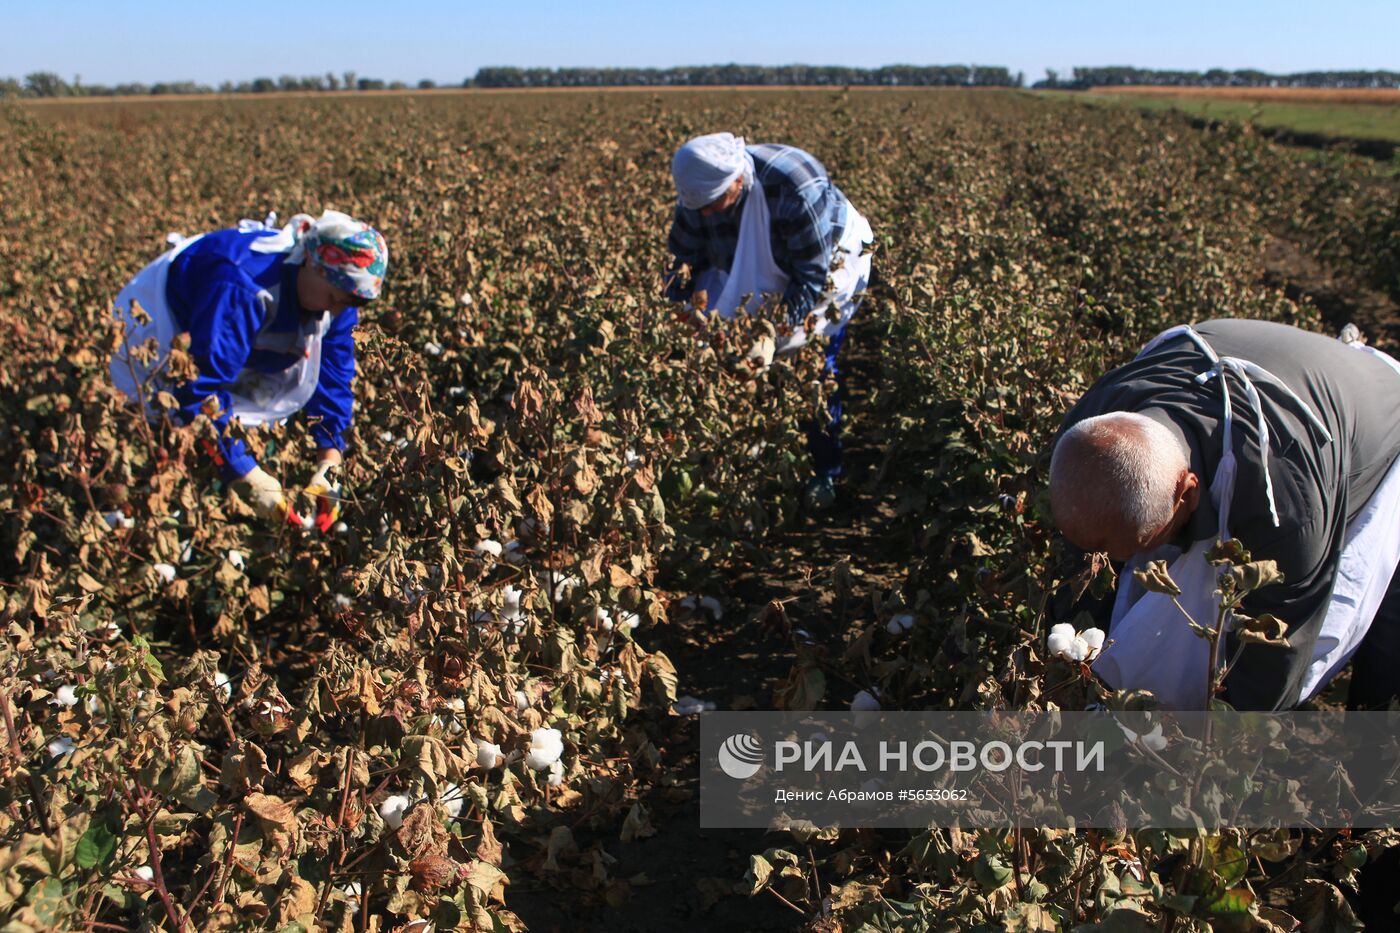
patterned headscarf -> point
(705, 167)
(353, 255)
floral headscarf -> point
(353, 255)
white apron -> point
(754, 273)
(1154, 649)
(257, 398)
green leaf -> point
(1232, 903)
(48, 901)
(97, 847)
(991, 871)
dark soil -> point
(688, 879)
(1293, 267)
(691, 874)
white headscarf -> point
(705, 167)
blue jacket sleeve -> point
(224, 315)
(331, 408)
(807, 237)
(687, 245)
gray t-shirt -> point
(1318, 486)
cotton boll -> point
(1065, 642)
(60, 747)
(602, 618)
(513, 553)
(560, 587)
(108, 631)
(454, 391)
(556, 774)
(65, 696)
(342, 602)
(1061, 639)
(522, 702)
(452, 800)
(236, 559)
(223, 686)
(145, 873)
(451, 722)
(392, 810)
(432, 349)
(386, 436)
(487, 546)
(308, 522)
(466, 299)
(353, 890)
(900, 624)
(340, 528)
(712, 606)
(488, 754)
(186, 551)
(1152, 739)
(513, 596)
(546, 746)
(864, 702)
(401, 443)
(631, 460)
(629, 621)
(166, 572)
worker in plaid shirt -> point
(798, 241)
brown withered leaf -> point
(273, 812)
(1155, 578)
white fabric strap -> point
(1246, 372)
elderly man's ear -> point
(1189, 494)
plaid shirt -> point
(808, 215)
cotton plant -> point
(1065, 642)
(393, 808)
(546, 748)
(1152, 739)
(452, 800)
(488, 755)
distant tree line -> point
(50, 84)
(1126, 75)
(708, 75)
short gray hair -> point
(1122, 467)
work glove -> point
(265, 494)
(327, 493)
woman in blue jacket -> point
(270, 315)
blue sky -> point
(149, 40)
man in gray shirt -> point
(1332, 441)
